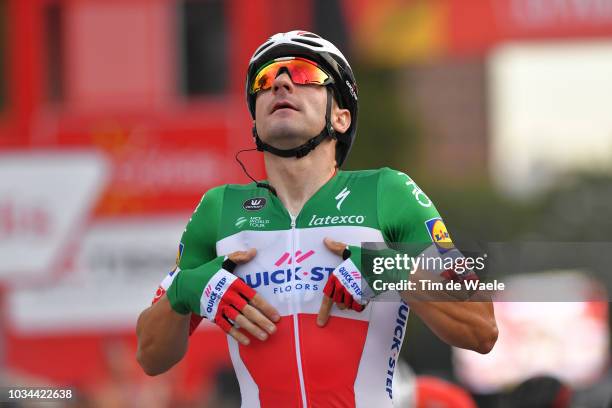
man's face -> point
(287, 114)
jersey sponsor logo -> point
(215, 294)
(179, 255)
(286, 280)
(396, 344)
(254, 204)
(253, 222)
(336, 219)
(240, 222)
(342, 196)
(439, 234)
(418, 194)
(351, 281)
(159, 293)
(299, 257)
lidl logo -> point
(179, 254)
(439, 234)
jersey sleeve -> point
(198, 242)
(407, 216)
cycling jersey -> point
(349, 362)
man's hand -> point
(257, 316)
(214, 292)
(343, 286)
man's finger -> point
(256, 318)
(241, 257)
(239, 337)
(324, 311)
(250, 327)
(267, 309)
(335, 246)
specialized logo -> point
(254, 204)
(335, 220)
(342, 196)
(418, 194)
(299, 257)
(439, 234)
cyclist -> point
(277, 265)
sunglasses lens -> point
(302, 72)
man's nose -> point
(282, 82)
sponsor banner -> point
(450, 27)
(45, 197)
(152, 180)
(473, 27)
(117, 270)
(163, 162)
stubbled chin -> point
(284, 134)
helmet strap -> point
(303, 150)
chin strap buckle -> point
(306, 148)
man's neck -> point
(296, 180)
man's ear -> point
(341, 119)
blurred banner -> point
(117, 116)
(395, 32)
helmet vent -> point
(262, 48)
(311, 35)
(307, 42)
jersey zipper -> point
(296, 328)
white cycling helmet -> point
(310, 46)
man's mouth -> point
(283, 105)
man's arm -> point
(162, 337)
(468, 325)
(163, 329)
(411, 218)
(162, 332)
